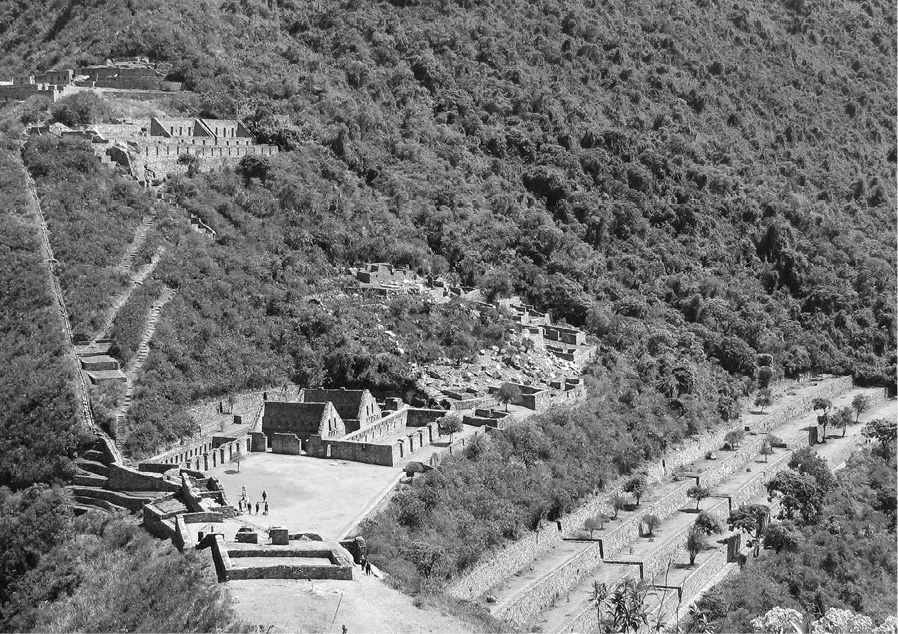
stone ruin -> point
(131, 74)
(282, 555)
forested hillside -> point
(693, 182)
(97, 572)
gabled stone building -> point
(357, 408)
(302, 419)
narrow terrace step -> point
(85, 478)
(98, 503)
(94, 456)
(92, 466)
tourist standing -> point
(264, 496)
(266, 508)
(257, 508)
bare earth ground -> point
(367, 605)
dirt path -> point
(363, 605)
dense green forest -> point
(842, 556)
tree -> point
(599, 597)
(508, 393)
(764, 398)
(627, 604)
(749, 519)
(618, 502)
(798, 493)
(823, 405)
(807, 462)
(698, 493)
(781, 536)
(695, 543)
(636, 486)
(734, 438)
(766, 450)
(251, 166)
(450, 424)
(82, 108)
(651, 522)
(780, 621)
(707, 523)
(843, 418)
(595, 523)
(860, 404)
(884, 432)
(237, 458)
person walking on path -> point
(368, 567)
(264, 496)
(266, 508)
(257, 508)
(362, 562)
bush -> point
(82, 108)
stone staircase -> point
(140, 236)
(136, 280)
(196, 224)
(143, 350)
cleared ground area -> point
(365, 604)
(305, 494)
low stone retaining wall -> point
(339, 573)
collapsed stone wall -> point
(286, 444)
(519, 554)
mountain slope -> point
(697, 183)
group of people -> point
(244, 505)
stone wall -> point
(287, 571)
(702, 574)
(420, 417)
(383, 427)
(210, 157)
(126, 479)
(368, 453)
(286, 443)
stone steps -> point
(140, 236)
(143, 351)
